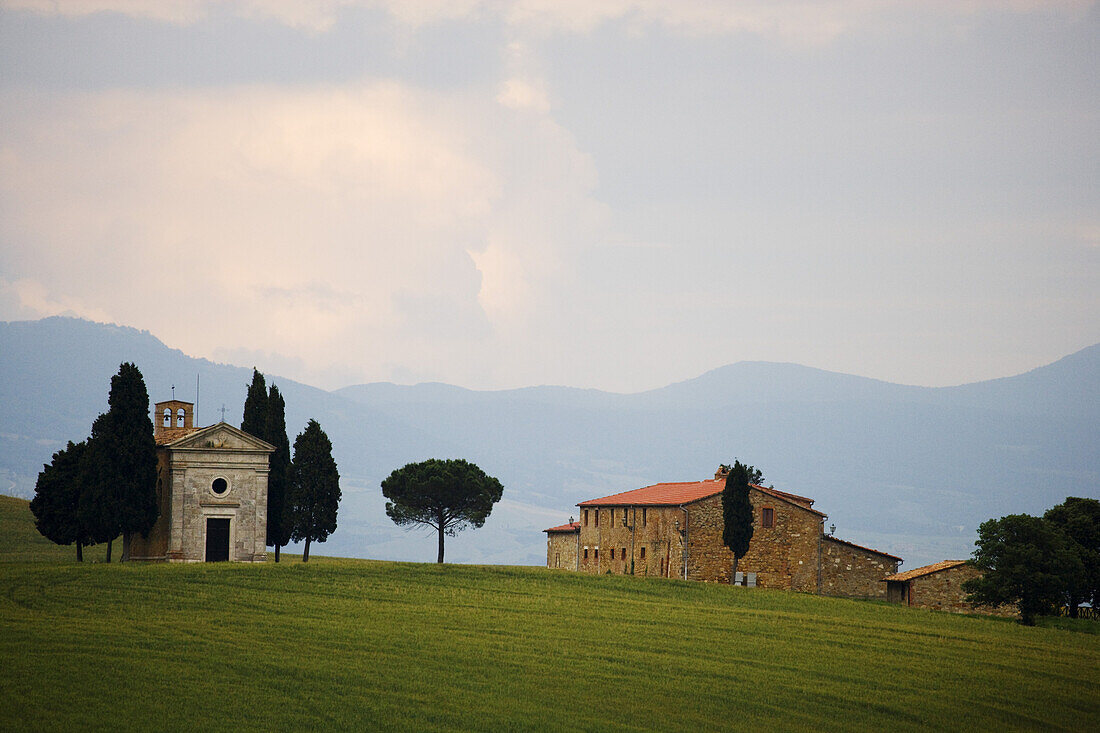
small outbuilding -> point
(939, 587)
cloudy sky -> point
(612, 194)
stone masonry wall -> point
(853, 572)
(652, 542)
(561, 550)
(783, 556)
(942, 591)
(649, 543)
(155, 545)
(245, 504)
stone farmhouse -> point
(939, 587)
(211, 491)
(674, 530)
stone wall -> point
(942, 591)
(649, 543)
(783, 555)
(244, 504)
(187, 470)
(561, 550)
(155, 545)
(853, 572)
(652, 542)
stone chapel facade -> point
(674, 530)
(211, 491)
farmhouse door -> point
(217, 539)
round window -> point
(220, 486)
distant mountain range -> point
(909, 470)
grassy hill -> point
(363, 644)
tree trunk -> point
(305, 554)
(79, 552)
(276, 552)
(439, 557)
(733, 573)
(126, 538)
(109, 543)
(1073, 608)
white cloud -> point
(328, 223)
(520, 94)
(797, 21)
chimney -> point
(722, 472)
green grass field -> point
(363, 644)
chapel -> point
(211, 491)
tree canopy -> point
(1079, 520)
(56, 503)
(737, 509)
(255, 406)
(1024, 560)
(278, 477)
(313, 495)
(121, 456)
(447, 495)
(265, 418)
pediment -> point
(222, 436)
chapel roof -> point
(926, 570)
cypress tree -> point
(97, 501)
(737, 509)
(313, 495)
(255, 406)
(279, 475)
(56, 503)
(128, 459)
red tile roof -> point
(170, 435)
(861, 547)
(675, 494)
(571, 527)
(926, 570)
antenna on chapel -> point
(195, 407)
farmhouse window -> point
(612, 553)
(585, 517)
(643, 553)
(597, 517)
(586, 553)
(612, 516)
(624, 553)
(597, 553)
(643, 516)
(767, 517)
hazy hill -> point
(911, 470)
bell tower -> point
(172, 419)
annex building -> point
(939, 587)
(211, 491)
(674, 530)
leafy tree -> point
(1079, 520)
(446, 495)
(279, 475)
(255, 406)
(122, 463)
(56, 503)
(314, 489)
(1024, 560)
(737, 509)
